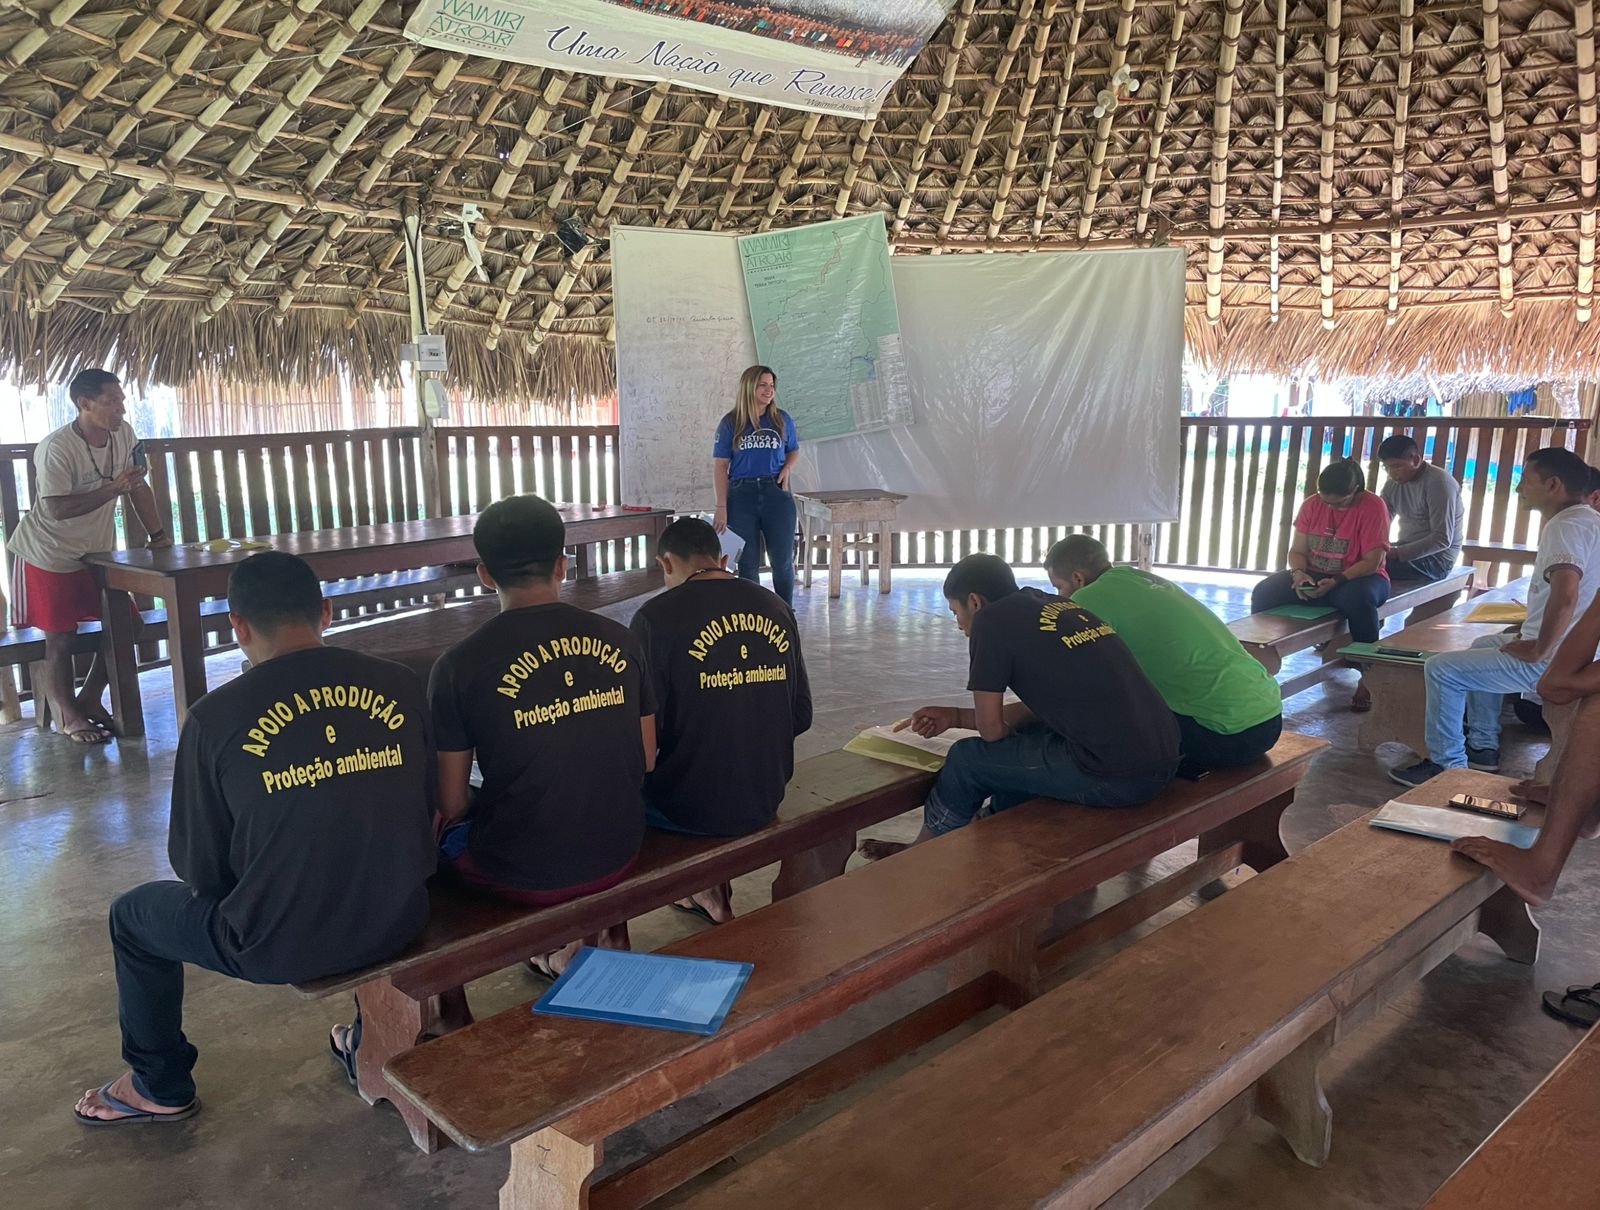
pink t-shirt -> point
(1341, 536)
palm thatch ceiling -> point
(217, 185)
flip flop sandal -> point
(1583, 987)
(133, 1114)
(345, 1057)
(102, 736)
(539, 968)
(693, 909)
(1580, 1007)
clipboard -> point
(656, 991)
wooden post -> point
(1144, 545)
(416, 298)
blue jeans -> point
(1429, 568)
(1475, 683)
(1033, 762)
(757, 509)
(1357, 599)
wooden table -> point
(1399, 693)
(868, 510)
(184, 577)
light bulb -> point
(1133, 85)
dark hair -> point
(1077, 552)
(1557, 462)
(520, 540)
(688, 537)
(274, 589)
(1594, 481)
(87, 384)
(1341, 478)
(987, 575)
(1396, 446)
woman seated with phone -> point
(1336, 559)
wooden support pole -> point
(1221, 119)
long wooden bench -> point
(1547, 1153)
(555, 1089)
(1106, 1090)
(469, 936)
(1269, 637)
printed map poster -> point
(830, 56)
(823, 308)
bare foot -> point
(1518, 868)
(91, 1106)
(716, 902)
(81, 731)
(94, 710)
(877, 850)
(1529, 791)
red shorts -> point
(54, 601)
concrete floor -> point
(1412, 1094)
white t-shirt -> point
(66, 465)
(1570, 538)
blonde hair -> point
(746, 414)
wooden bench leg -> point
(1013, 955)
(1506, 921)
(1267, 657)
(1257, 832)
(392, 1023)
(1290, 1097)
(549, 1171)
(802, 871)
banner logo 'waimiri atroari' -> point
(481, 24)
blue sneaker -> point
(1415, 775)
(1484, 760)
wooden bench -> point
(1269, 637)
(982, 896)
(1547, 1153)
(468, 936)
(416, 640)
(1399, 692)
(1106, 1090)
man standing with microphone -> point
(83, 469)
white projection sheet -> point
(1046, 387)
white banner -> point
(831, 56)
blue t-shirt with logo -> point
(761, 451)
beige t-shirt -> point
(67, 465)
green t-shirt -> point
(1185, 650)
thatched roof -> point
(218, 184)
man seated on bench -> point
(300, 828)
(1426, 500)
(731, 695)
(1228, 707)
(1566, 574)
(554, 702)
(1090, 727)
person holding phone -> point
(83, 470)
(1338, 553)
(755, 449)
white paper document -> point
(732, 546)
(1446, 823)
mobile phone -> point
(140, 458)
(1488, 806)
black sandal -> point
(1578, 1006)
(345, 1056)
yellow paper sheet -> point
(906, 747)
(1491, 611)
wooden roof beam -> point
(758, 128)
(1583, 45)
(1052, 150)
(45, 24)
(245, 156)
(691, 160)
(1279, 51)
(1495, 104)
(1102, 130)
(93, 165)
(1397, 175)
(859, 148)
(1161, 116)
(107, 74)
(986, 107)
(787, 175)
(1221, 119)
(1326, 164)
(1019, 122)
(383, 160)
(930, 124)
(500, 189)
(239, 274)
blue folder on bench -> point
(658, 991)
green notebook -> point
(1308, 613)
(1383, 651)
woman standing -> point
(756, 447)
(1336, 559)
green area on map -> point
(823, 307)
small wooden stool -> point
(868, 513)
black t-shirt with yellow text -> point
(302, 801)
(725, 663)
(1079, 679)
(549, 697)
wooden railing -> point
(1242, 481)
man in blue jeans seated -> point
(1090, 727)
